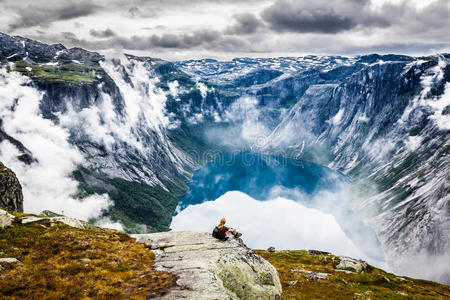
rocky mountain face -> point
(136, 128)
(11, 196)
(387, 127)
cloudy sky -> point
(223, 29)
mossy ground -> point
(62, 262)
(372, 284)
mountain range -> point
(122, 134)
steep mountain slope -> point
(128, 131)
(388, 127)
(104, 109)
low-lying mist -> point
(279, 222)
(47, 182)
(311, 188)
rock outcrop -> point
(352, 265)
(5, 219)
(10, 190)
(212, 269)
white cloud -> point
(280, 222)
(47, 183)
(108, 223)
(245, 110)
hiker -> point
(220, 231)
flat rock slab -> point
(314, 276)
(9, 260)
(213, 269)
(62, 219)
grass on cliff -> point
(71, 73)
(372, 284)
(135, 203)
(62, 262)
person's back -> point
(220, 231)
(218, 234)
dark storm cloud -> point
(317, 17)
(107, 33)
(283, 26)
(32, 15)
(185, 41)
(329, 17)
(208, 39)
(284, 16)
(245, 23)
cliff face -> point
(386, 126)
(10, 190)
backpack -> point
(217, 233)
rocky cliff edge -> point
(212, 269)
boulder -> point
(213, 269)
(351, 264)
(10, 190)
(5, 219)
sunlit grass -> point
(62, 262)
(372, 284)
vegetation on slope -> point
(62, 262)
(371, 284)
(135, 203)
(70, 73)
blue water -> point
(257, 175)
(265, 177)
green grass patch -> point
(71, 73)
(372, 284)
(62, 262)
(135, 203)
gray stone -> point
(31, 219)
(72, 222)
(5, 219)
(317, 252)
(351, 264)
(11, 195)
(293, 282)
(50, 214)
(9, 260)
(213, 269)
(8, 263)
(314, 276)
(58, 218)
(271, 249)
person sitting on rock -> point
(220, 231)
